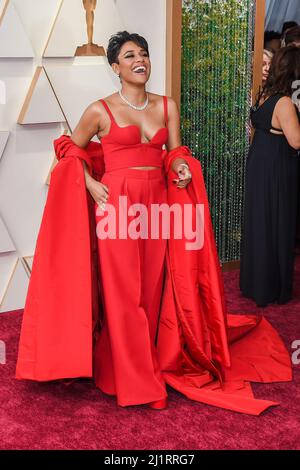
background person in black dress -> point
(270, 211)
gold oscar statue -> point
(90, 48)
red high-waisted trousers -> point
(132, 274)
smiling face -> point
(134, 64)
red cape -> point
(206, 354)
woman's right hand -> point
(98, 191)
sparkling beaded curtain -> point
(215, 98)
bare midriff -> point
(144, 167)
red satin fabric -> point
(204, 353)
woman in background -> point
(270, 213)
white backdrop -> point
(44, 33)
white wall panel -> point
(6, 243)
(37, 17)
(76, 86)
(7, 263)
(148, 18)
(41, 105)
(3, 141)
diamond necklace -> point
(137, 108)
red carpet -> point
(79, 416)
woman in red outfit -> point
(132, 126)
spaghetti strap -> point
(107, 109)
(166, 110)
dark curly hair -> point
(284, 71)
(117, 40)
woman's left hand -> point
(184, 175)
